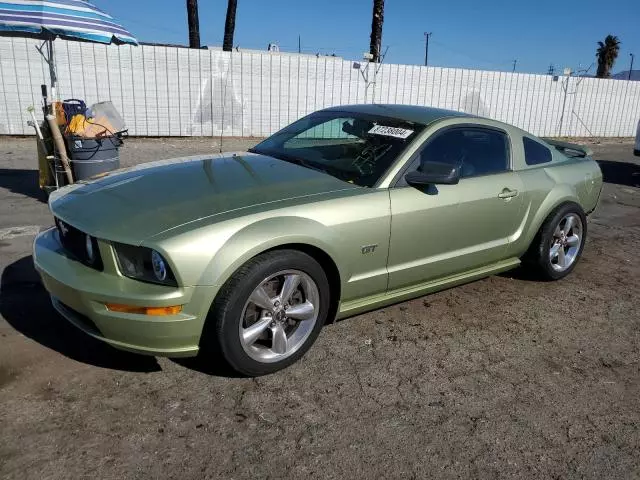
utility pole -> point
(299, 45)
(426, 47)
(631, 67)
(515, 62)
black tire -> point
(537, 257)
(221, 333)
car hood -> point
(134, 204)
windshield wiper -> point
(289, 158)
(305, 163)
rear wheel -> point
(558, 245)
(270, 312)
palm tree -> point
(607, 53)
(229, 25)
(194, 24)
(376, 29)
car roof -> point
(408, 113)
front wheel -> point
(559, 243)
(270, 312)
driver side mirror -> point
(434, 173)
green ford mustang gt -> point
(346, 210)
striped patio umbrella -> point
(70, 19)
(67, 19)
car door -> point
(442, 230)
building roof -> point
(408, 113)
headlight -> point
(159, 267)
(88, 245)
(144, 264)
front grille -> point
(74, 242)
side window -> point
(477, 150)
(535, 153)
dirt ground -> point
(501, 378)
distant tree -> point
(230, 25)
(607, 53)
(376, 29)
(194, 23)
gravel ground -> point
(501, 378)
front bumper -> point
(79, 293)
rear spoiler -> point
(570, 149)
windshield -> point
(353, 147)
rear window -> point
(535, 153)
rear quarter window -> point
(535, 153)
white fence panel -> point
(169, 91)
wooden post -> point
(59, 143)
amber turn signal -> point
(156, 311)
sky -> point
(486, 35)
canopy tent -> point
(67, 19)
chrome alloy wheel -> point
(279, 316)
(566, 242)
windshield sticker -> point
(391, 131)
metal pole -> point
(52, 70)
(299, 45)
(564, 103)
(426, 48)
(631, 67)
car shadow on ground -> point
(523, 274)
(210, 360)
(620, 173)
(25, 305)
(24, 182)
(212, 365)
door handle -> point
(507, 193)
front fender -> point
(264, 235)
